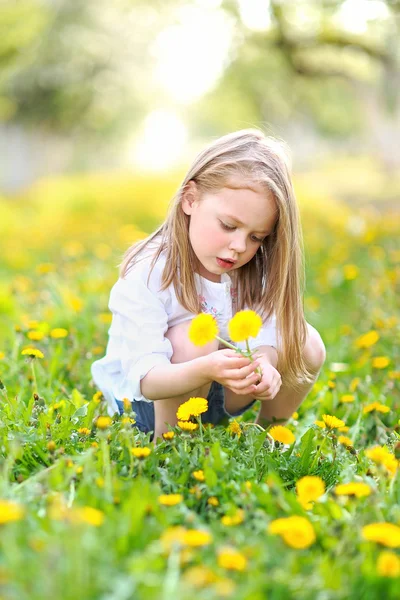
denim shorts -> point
(215, 413)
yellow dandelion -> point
(331, 385)
(51, 446)
(381, 456)
(141, 452)
(203, 329)
(231, 559)
(35, 336)
(320, 424)
(83, 430)
(394, 374)
(194, 407)
(58, 333)
(198, 475)
(282, 434)
(234, 428)
(386, 534)
(127, 404)
(236, 519)
(245, 324)
(346, 441)
(377, 407)
(97, 397)
(354, 383)
(170, 499)
(332, 422)
(388, 564)
(127, 421)
(296, 532)
(196, 538)
(32, 353)
(89, 515)
(168, 435)
(367, 340)
(350, 272)
(187, 426)
(354, 488)
(199, 576)
(380, 362)
(213, 501)
(10, 511)
(344, 429)
(346, 398)
(103, 422)
(295, 415)
(309, 489)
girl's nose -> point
(238, 244)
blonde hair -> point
(273, 280)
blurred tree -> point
(309, 65)
(80, 66)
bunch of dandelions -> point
(243, 325)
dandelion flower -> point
(354, 488)
(103, 422)
(168, 435)
(58, 333)
(84, 430)
(282, 434)
(320, 424)
(213, 501)
(196, 538)
(332, 422)
(245, 324)
(236, 519)
(347, 398)
(10, 511)
(296, 532)
(380, 362)
(386, 534)
(231, 559)
(346, 441)
(375, 406)
(234, 428)
(193, 407)
(388, 564)
(381, 456)
(35, 336)
(203, 329)
(170, 499)
(187, 425)
(198, 475)
(367, 340)
(32, 353)
(89, 515)
(141, 452)
(309, 489)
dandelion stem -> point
(229, 344)
(318, 453)
(35, 386)
(106, 465)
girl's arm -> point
(269, 352)
(170, 380)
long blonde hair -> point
(273, 280)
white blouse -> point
(142, 314)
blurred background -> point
(141, 85)
(103, 106)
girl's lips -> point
(226, 264)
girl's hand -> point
(233, 371)
(271, 380)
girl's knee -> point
(314, 349)
(183, 348)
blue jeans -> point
(215, 413)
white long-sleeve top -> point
(142, 314)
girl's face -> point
(230, 224)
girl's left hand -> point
(271, 380)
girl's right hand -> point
(233, 371)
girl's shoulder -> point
(146, 266)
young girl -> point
(231, 241)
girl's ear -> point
(189, 197)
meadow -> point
(89, 508)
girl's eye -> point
(227, 227)
(232, 228)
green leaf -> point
(306, 447)
(210, 476)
